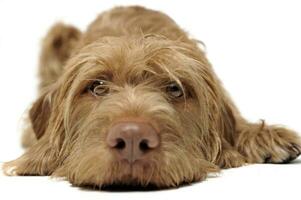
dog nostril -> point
(120, 144)
(131, 141)
(144, 146)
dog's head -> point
(133, 111)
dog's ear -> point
(228, 120)
(39, 114)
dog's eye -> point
(174, 90)
(99, 88)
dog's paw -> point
(272, 145)
(9, 169)
(231, 159)
(17, 167)
(283, 154)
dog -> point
(134, 101)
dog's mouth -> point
(136, 176)
(131, 178)
(138, 171)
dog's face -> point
(132, 111)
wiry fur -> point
(139, 51)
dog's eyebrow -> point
(105, 75)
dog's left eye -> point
(99, 88)
(174, 90)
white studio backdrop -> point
(254, 47)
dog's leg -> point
(28, 136)
(40, 159)
(261, 143)
(229, 157)
(59, 43)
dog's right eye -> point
(174, 90)
(99, 88)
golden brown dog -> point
(134, 101)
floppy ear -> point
(40, 158)
(39, 115)
(228, 120)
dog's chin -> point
(140, 173)
(130, 177)
(130, 186)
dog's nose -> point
(132, 140)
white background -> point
(254, 47)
